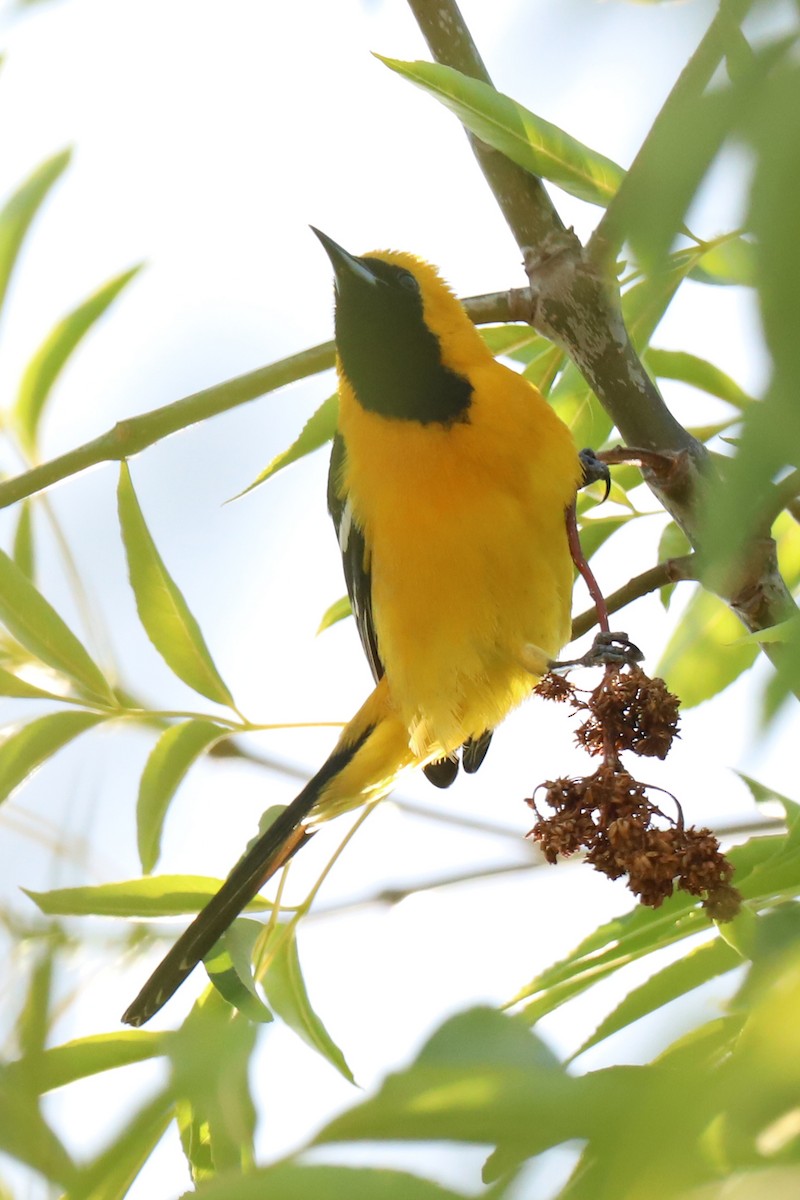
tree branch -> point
(574, 301)
(672, 570)
(134, 434)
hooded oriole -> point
(449, 481)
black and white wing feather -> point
(355, 557)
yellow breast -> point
(468, 549)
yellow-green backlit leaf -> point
(23, 540)
(171, 757)
(29, 746)
(48, 361)
(162, 609)
(89, 1056)
(33, 622)
(153, 896)
(528, 140)
(338, 611)
(230, 969)
(704, 654)
(286, 992)
(20, 209)
(318, 429)
(698, 373)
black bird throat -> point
(391, 358)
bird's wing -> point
(355, 557)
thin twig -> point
(134, 434)
(672, 570)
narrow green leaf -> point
(153, 896)
(210, 1056)
(20, 209)
(285, 990)
(693, 969)
(318, 429)
(230, 969)
(172, 756)
(86, 1056)
(731, 262)
(644, 304)
(704, 654)
(13, 685)
(512, 341)
(46, 365)
(26, 1137)
(763, 794)
(698, 372)
(673, 543)
(109, 1176)
(474, 1082)
(33, 622)
(32, 744)
(162, 609)
(293, 1181)
(528, 140)
(644, 930)
(544, 366)
(338, 611)
(597, 530)
(23, 540)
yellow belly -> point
(468, 552)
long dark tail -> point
(274, 848)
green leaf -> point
(153, 896)
(763, 794)
(13, 685)
(229, 967)
(162, 609)
(285, 990)
(338, 611)
(20, 209)
(32, 744)
(731, 262)
(704, 654)
(528, 140)
(210, 1056)
(482, 1078)
(759, 864)
(678, 155)
(86, 1056)
(23, 540)
(292, 1181)
(46, 365)
(693, 969)
(318, 429)
(26, 1137)
(512, 341)
(673, 543)
(172, 756)
(597, 530)
(33, 622)
(698, 373)
(109, 1176)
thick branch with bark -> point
(573, 299)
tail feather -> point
(270, 852)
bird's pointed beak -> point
(345, 265)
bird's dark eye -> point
(407, 281)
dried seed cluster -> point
(610, 815)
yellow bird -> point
(449, 482)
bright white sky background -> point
(207, 137)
